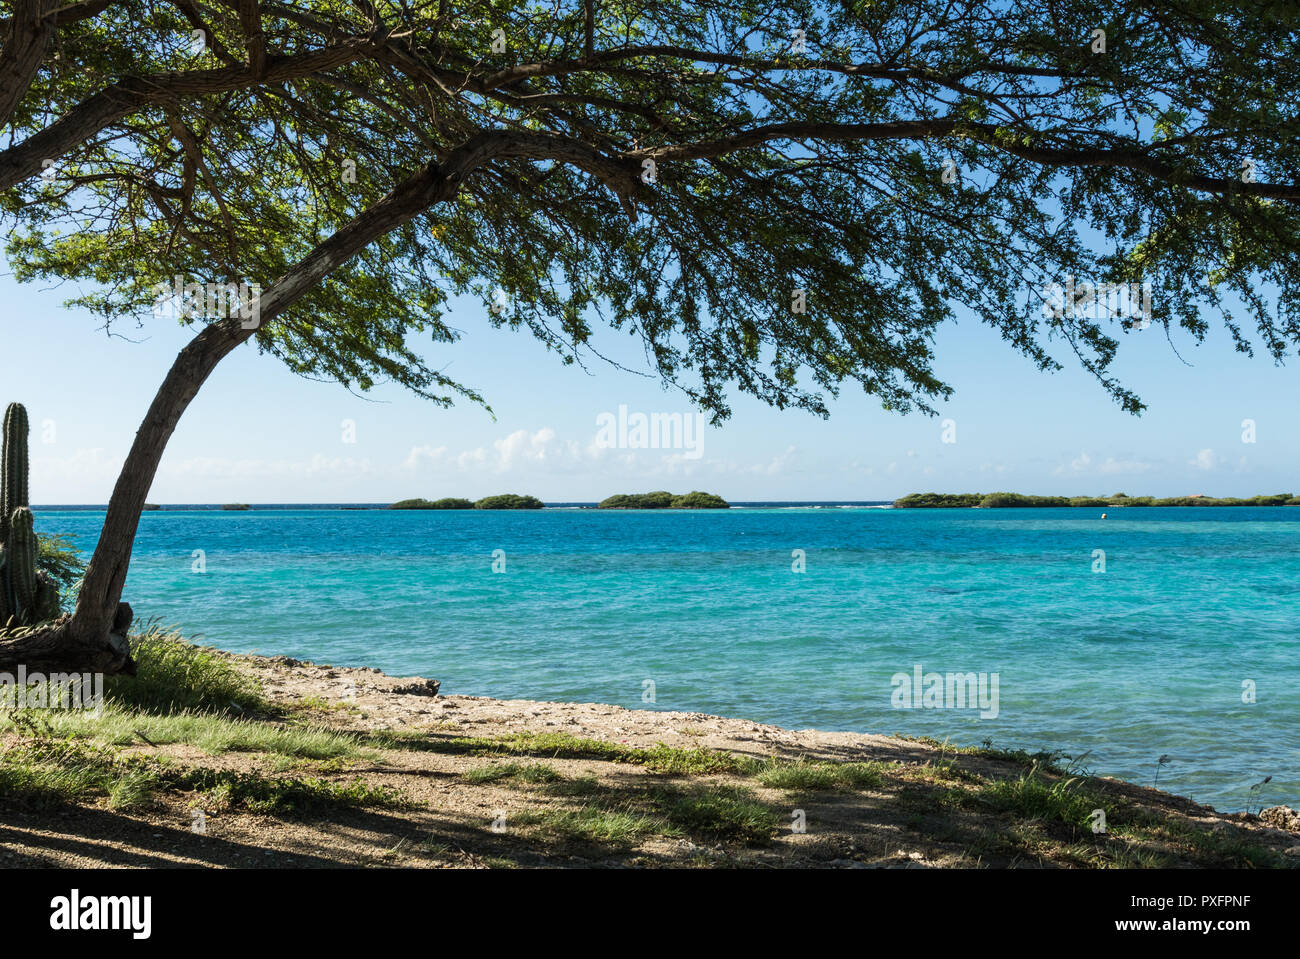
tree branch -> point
(195, 17)
(132, 94)
(71, 13)
(1005, 139)
(30, 30)
(589, 30)
(250, 21)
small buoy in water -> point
(1103, 515)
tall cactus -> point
(20, 589)
(20, 553)
(13, 466)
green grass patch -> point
(221, 789)
(807, 775)
(596, 824)
(1066, 801)
(620, 816)
(214, 733)
(728, 813)
(173, 675)
(185, 694)
(671, 760)
(581, 786)
(523, 773)
(1206, 847)
(66, 770)
(1046, 761)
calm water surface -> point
(1145, 659)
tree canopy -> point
(682, 172)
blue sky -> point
(257, 433)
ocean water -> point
(1149, 658)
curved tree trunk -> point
(94, 636)
(102, 588)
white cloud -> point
(471, 458)
(1205, 460)
(542, 452)
(216, 467)
(84, 464)
(419, 454)
(542, 447)
(778, 464)
(1110, 466)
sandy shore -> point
(376, 701)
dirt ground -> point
(565, 808)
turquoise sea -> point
(1149, 658)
